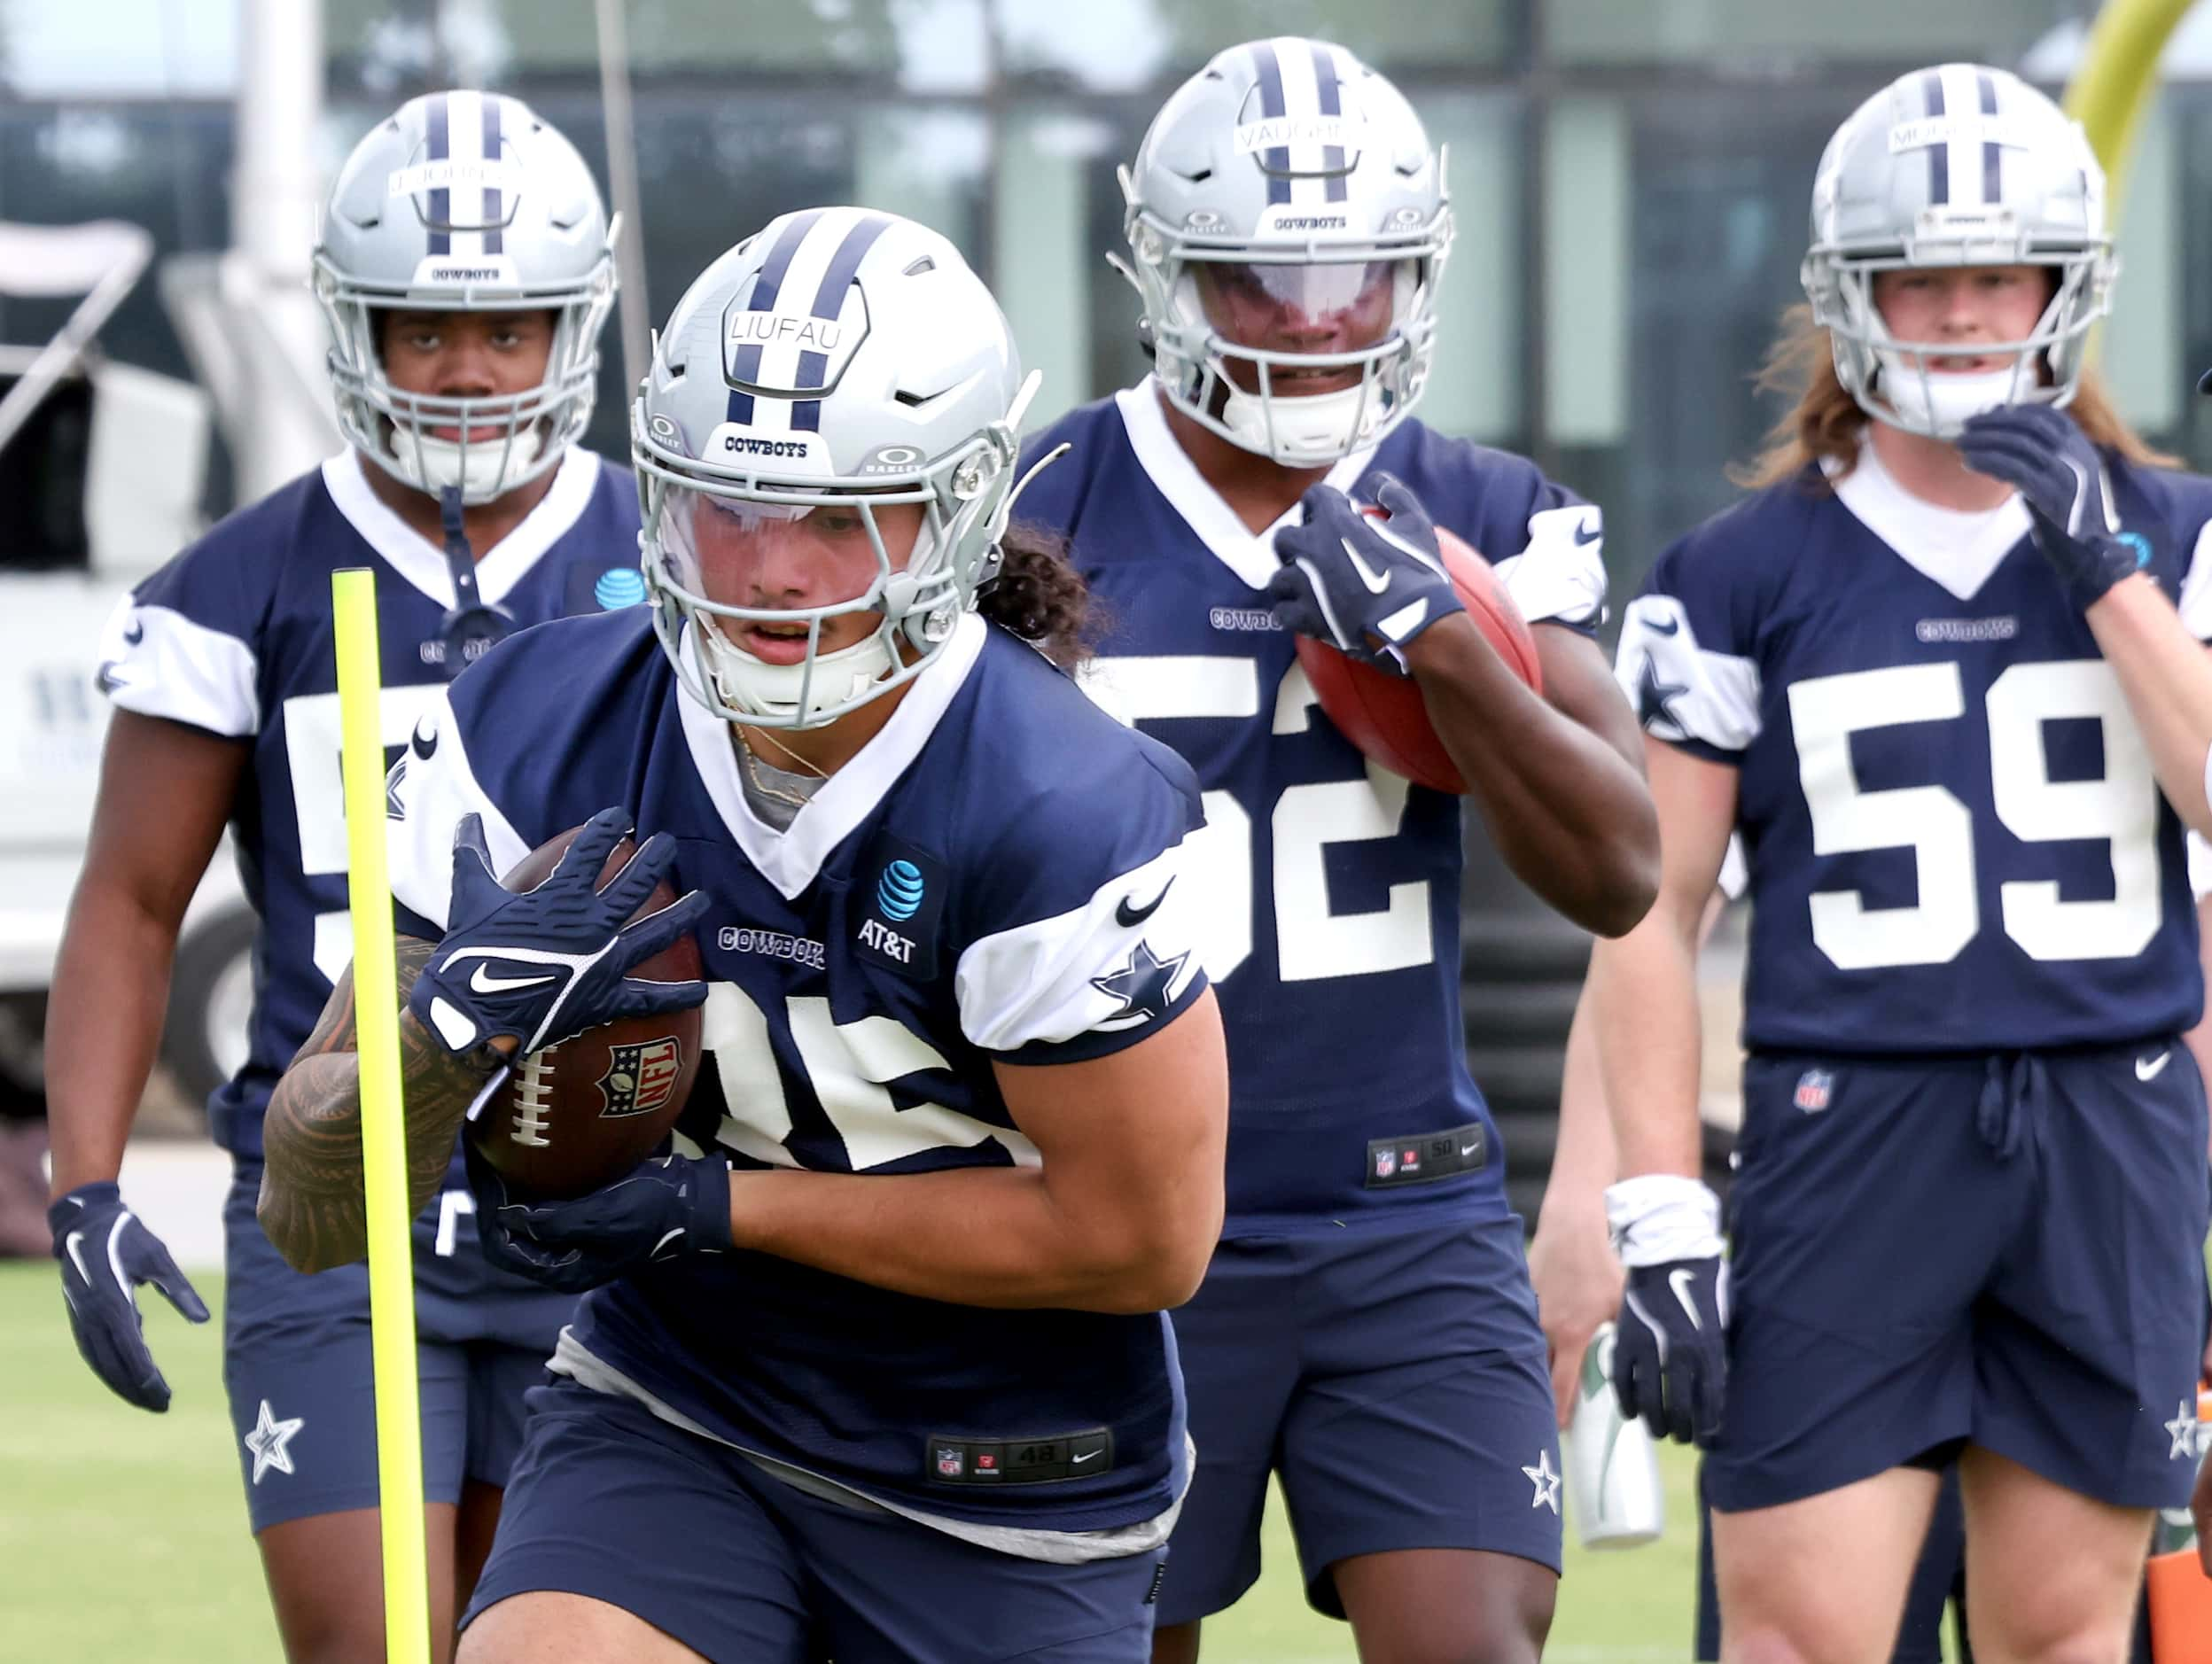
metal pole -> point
(629, 252)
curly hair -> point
(1040, 596)
(1825, 423)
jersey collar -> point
(1164, 461)
(791, 860)
(1958, 549)
(423, 563)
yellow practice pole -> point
(2117, 74)
(383, 1134)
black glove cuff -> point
(75, 1204)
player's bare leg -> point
(1176, 1642)
(1446, 1607)
(2056, 1573)
(326, 1583)
(472, 1533)
(545, 1627)
(1782, 1599)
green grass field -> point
(123, 1541)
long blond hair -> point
(1826, 424)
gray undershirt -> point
(768, 788)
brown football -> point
(579, 1114)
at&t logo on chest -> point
(900, 892)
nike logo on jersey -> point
(135, 633)
(1670, 626)
(1587, 533)
(481, 981)
(426, 738)
(1130, 917)
(2152, 1067)
(1376, 582)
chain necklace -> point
(798, 800)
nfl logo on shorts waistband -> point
(1812, 1090)
(949, 1462)
(1385, 1164)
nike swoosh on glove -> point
(1366, 586)
(1670, 1346)
(106, 1253)
(547, 964)
(669, 1207)
(2042, 454)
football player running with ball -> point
(465, 270)
(1944, 671)
(899, 1385)
(1366, 1328)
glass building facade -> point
(1630, 177)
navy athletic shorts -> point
(298, 1369)
(1395, 1378)
(611, 1502)
(2003, 1250)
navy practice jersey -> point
(234, 636)
(996, 878)
(1955, 839)
(1335, 884)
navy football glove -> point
(2040, 452)
(1366, 586)
(669, 1207)
(551, 963)
(104, 1255)
(1670, 1349)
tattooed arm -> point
(312, 1204)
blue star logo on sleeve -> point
(1143, 985)
(1654, 699)
(270, 1441)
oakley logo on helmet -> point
(894, 459)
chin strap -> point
(460, 558)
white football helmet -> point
(1960, 164)
(1288, 167)
(464, 202)
(840, 358)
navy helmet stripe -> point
(837, 276)
(767, 283)
(495, 209)
(1332, 103)
(1276, 161)
(1939, 153)
(440, 210)
(1992, 152)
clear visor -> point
(1344, 306)
(785, 564)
